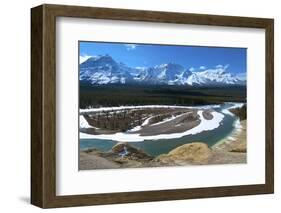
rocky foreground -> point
(123, 155)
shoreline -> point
(125, 155)
(232, 134)
(236, 141)
(237, 126)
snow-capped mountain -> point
(105, 70)
(216, 76)
(162, 74)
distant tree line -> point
(120, 95)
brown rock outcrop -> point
(130, 152)
(193, 153)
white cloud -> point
(83, 58)
(202, 67)
(219, 66)
(130, 46)
(191, 69)
(141, 68)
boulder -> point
(128, 151)
(192, 153)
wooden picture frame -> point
(43, 105)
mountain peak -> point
(169, 65)
(105, 58)
(100, 60)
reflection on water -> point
(157, 147)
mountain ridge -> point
(104, 69)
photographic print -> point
(134, 95)
(159, 105)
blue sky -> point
(191, 57)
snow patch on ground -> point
(170, 119)
(101, 109)
(234, 105)
(83, 122)
(137, 128)
(146, 122)
(231, 138)
(227, 112)
(237, 125)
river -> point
(161, 146)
